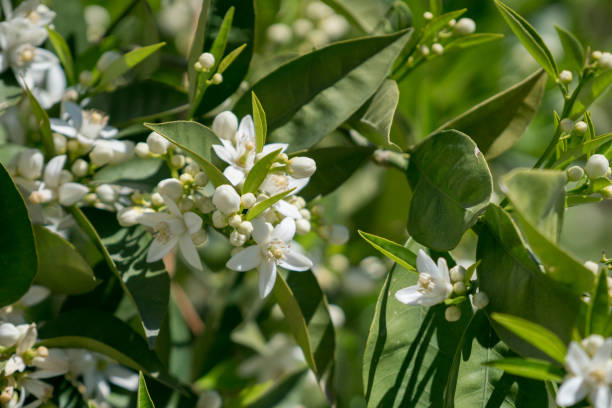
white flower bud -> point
(191, 168)
(107, 59)
(186, 204)
(480, 300)
(199, 238)
(465, 26)
(59, 143)
(207, 60)
(73, 146)
(302, 26)
(592, 343)
(171, 187)
(335, 26)
(279, 33)
(234, 221)
(30, 164)
(566, 76)
(437, 48)
(337, 315)
(226, 199)
(142, 150)
(457, 273)
(338, 234)
(71, 193)
(581, 127)
(200, 179)
(79, 168)
(596, 55)
(225, 125)
(575, 173)
(248, 200)
(217, 79)
(245, 228)
(8, 335)
(428, 15)
(592, 266)
(305, 213)
(605, 60)
(101, 155)
(91, 199)
(317, 10)
(129, 216)
(186, 178)
(597, 166)
(452, 313)
(209, 399)
(567, 125)
(157, 143)
(302, 226)
(237, 239)
(219, 220)
(459, 288)
(298, 202)
(198, 67)
(302, 167)
(157, 200)
(424, 50)
(178, 161)
(205, 205)
(106, 193)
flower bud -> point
(302, 167)
(217, 79)
(186, 204)
(605, 60)
(237, 239)
(106, 193)
(437, 48)
(225, 125)
(465, 26)
(101, 155)
(30, 164)
(581, 127)
(457, 273)
(596, 55)
(424, 50)
(191, 168)
(8, 335)
(91, 199)
(186, 178)
(178, 161)
(459, 288)
(157, 143)
(597, 166)
(171, 187)
(79, 168)
(302, 26)
(567, 125)
(157, 200)
(142, 150)
(302, 226)
(566, 76)
(59, 143)
(452, 313)
(428, 15)
(199, 238)
(207, 61)
(201, 179)
(248, 200)
(592, 343)
(41, 196)
(71, 193)
(129, 216)
(338, 234)
(226, 199)
(575, 173)
(480, 300)
(298, 202)
(205, 205)
(606, 192)
(234, 220)
(245, 228)
(305, 214)
(219, 220)
(279, 33)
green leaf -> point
(592, 89)
(259, 118)
(127, 61)
(470, 40)
(265, 204)
(8, 151)
(365, 15)
(229, 58)
(497, 123)
(515, 284)
(43, 123)
(9, 94)
(529, 367)
(258, 173)
(310, 96)
(18, 257)
(270, 395)
(582, 151)
(538, 197)
(530, 39)
(218, 47)
(196, 140)
(134, 169)
(61, 268)
(538, 336)
(306, 311)
(598, 312)
(197, 46)
(144, 399)
(451, 186)
(146, 285)
(392, 250)
(375, 118)
(574, 51)
(334, 166)
(63, 52)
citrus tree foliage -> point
(190, 217)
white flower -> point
(273, 248)
(54, 363)
(225, 125)
(171, 230)
(588, 374)
(44, 76)
(277, 183)
(302, 167)
(52, 188)
(226, 199)
(434, 285)
(27, 337)
(565, 76)
(597, 166)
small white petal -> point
(171, 205)
(158, 249)
(600, 397)
(224, 153)
(189, 251)
(269, 148)
(261, 230)
(577, 360)
(267, 278)
(603, 354)
(425, 264)
(409, 295)
(122, 377)
(294, 261)
(193, 222)
(71, 193)
(63, 127)
(53, 171)
(288, 210)
(152, 219)
(285, 230)
(234, 175)
(572, 391)
(245, 260)
(246, 130)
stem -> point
(389, 158)
(203, 84)
(173, 111)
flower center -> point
(33, 16)
(26, 55)
(275, 250)
(426, 283)
(598, 375)
(162, 232)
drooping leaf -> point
(63, 52)
(143, 399)
(334, 166)
(196, 140)
(530, 39)
(305, 99)
(258, 173)
(497, 123)
(61, 268)
(127, 61)
(134, 169)
(394, 251)
(539, 200)
(574, 51)
(593, 88)
(529, 367)
(18, 257)
(451, 186)
(259, 119)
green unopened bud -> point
(575, 173)
(581, 127)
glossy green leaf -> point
(310, 96)
(197, 47)
(259, 119)
(63, 52)
(229, 58)
(44, 124)
(61, 268)
(538, 197)
(265, 204)
(471, 40)
(365, 15)
(574, 51)
(143, 398)
(18, 257)
(334, 166)
(392, 250)
(593, 88)
(598, 312)
(125, 62)
(196, 140)
(134, 169)
(451, 187)
(258, 172)
(218, 47)
(539, 336)
(530, 39)
(146, 285)
(529, 367)
(516, 286)
(497, 123)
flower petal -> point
(267, 278)
(226, 154)
(193, 222)
(71, 193)
(122, 377)
(159, 249)
(108, 132)
(600, 396)
(62, 127)
(189, 252)
(234, 175)
(288, 210)
(246, 130)
(425, 264)
(285, 230)
(74, 113)
(53, 170)
(298, 184)
(603, 353)
(573, 390)
(577, 360)
(261, 230)
(409, 295)
(443, 273)
(269, 148)
(294, 261)
(152, 219)
(245, 260)
(171, 205)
